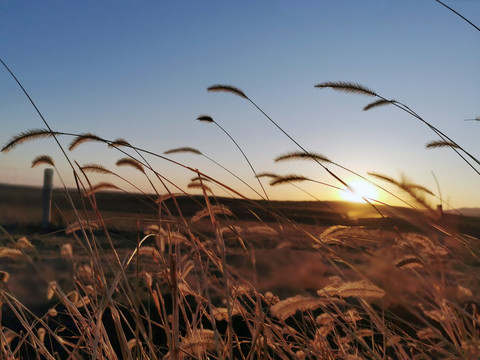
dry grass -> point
(203, 281)
(208, 285)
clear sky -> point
(140, 70)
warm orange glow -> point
(362, 190)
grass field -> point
(251, 280)
(178, 272)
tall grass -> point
(206, 284)
(176, 294)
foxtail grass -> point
(193, 285)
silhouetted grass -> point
(182, 273)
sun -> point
(362, 189)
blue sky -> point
(140, 70)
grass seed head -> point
(83, 138)
(66, 251)
(378, 103)
(440, 144)
(95, 168)
(11, 253)
(228, 88)
(24, 243)
(409, 262)
(267, 174)
(288, 307)
(132, 163)
(205, 118)
(27, 136)
(4, 277)
(183, 149)
(198, 342)
(196, 185)
(296, 155)
(348, 87)
(287, 179)
(361, 289)
(119, 142)
(42, 159)
(216, 209)
(100, 187)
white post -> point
(47, 197)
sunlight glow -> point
(362, 189)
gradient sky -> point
(140, 70)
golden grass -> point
(322, 324)
(215, 209)
(361, 289)
(288, 307)
(175, 287)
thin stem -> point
(457, 13)
(236, 176)
(300, 146)
(245, 156)
(438, 132)
(349, 188)
(38, 112)
(438, 187)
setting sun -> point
(362, 190)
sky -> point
(140, 70)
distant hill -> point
(26, 200)
(471, 212)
